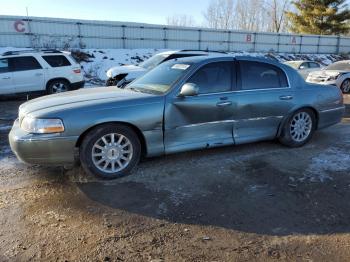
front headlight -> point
(42, 126)
(333, 77)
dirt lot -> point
(254, 202)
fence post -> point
(278, 42)
(229, 41)
(301, 44)
(30, 34)
(318, 44)
(79, 34)
(165, 37)
(255, 34)
(200, 39)
(338, 44)
(123, 36)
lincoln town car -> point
(184, 104)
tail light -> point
(77, 71)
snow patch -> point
(327, 163)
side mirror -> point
(188, 89)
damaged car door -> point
(199, 114)
(263, 100)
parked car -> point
(337, 74)
(183, 104)
(43, 70)
(304, 68)
(120, 76)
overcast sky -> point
(147, 11)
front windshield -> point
(339, 66)
(160, 79)
(154, 61)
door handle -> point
(6, 77)
(38, 74)
(224, 104)
(286, 97)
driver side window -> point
(213, 78)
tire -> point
(297, 133)
(111, 82)
(58, 86)
(98, 148)
(345, 86)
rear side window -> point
(4, 66)
(23, 63)
(213, 78)
(57, 60)
(257, 75)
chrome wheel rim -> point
(59, 88)
(346, 86)
(301, 126)
(112, 153)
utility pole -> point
(29, 28)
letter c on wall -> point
(19, 26)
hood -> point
(127, 69)
(327, 73)
(86, 96)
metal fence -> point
(18, 31)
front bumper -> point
(48, 149)
(77, 85)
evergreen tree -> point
(320, 17)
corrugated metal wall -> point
(17, 31)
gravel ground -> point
(256, 202)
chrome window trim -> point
(242, 91)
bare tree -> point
(276, 10)
(219, 14)
(249, 15)
(181, 20)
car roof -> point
(216, 56)
(191, 52)
(301, 61)
(17, 53)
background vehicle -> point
(46, 70)
(337, 74)
(122, 75)
(304, 68)
(183, 104)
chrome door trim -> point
(228, 121)
(333, 109)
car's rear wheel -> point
(110, 151)
(299, 128)
(58, 86)
(345, 87)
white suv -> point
(45, 70)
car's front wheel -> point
(110, 151)
(345, 87)
(299, 128)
